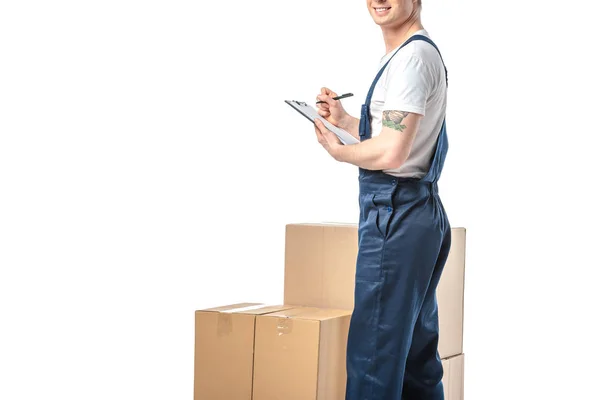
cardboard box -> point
(224, 351)
(453, 380)
(320, 262)
(320, 266)
(301, 354)
(450, 296)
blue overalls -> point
(404, 240)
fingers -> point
(320, 137)
(322, 106)
(328, 92)
(329, 102)
(319, 125)
(329, 136)
(324, 113)
(326, 98)
(324, 135)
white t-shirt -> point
(414, 81)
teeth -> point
(382, 9)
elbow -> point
(393, 160)
(395, 164)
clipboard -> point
(311, 113)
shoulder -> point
(421, 50)
(418, 55)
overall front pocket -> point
(376, 211)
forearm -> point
(373, 154)
(350, 125)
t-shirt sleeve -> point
(409, 85)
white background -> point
(148, 166)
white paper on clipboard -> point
(311, 113)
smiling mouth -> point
(382, 8)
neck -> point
(394, 36)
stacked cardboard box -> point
(224, 350)
(320, 262)
(297, 350)
(260, 352)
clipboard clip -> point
(300, 103)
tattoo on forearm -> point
(393, 119)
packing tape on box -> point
(225, 320)
(247, 308)
(285, 325)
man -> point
(404, 232)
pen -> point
(338, 97)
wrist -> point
(338, 153)
(345, 122)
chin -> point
(382, 21)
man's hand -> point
(334, 113)
(328, 139)
(331, 110)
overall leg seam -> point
(377, 318)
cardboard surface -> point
(300, 354)
(453, 379)
(224, 351)
(320, 263)
(450, 295)
(320, 260)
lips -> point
(380, 9)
